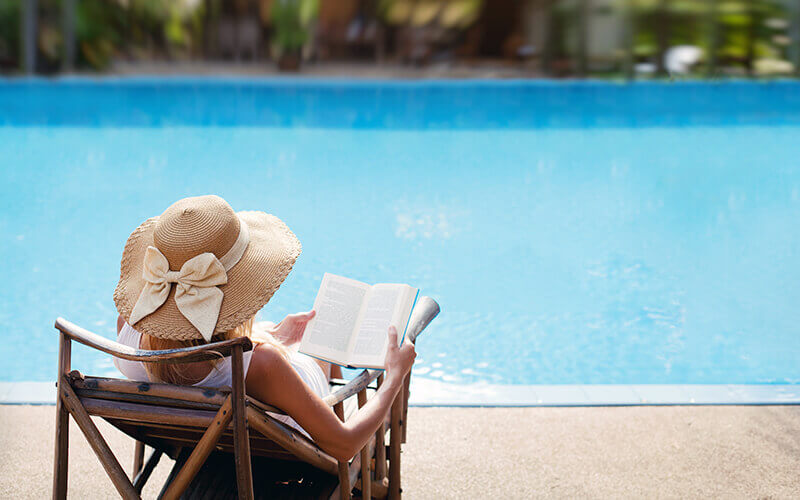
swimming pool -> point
(578, 233)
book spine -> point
(409, 318)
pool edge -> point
(429, 392)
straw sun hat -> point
(201, 268)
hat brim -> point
(270, 255)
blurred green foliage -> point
(732, 33)
(742, 34)
(9, 32)
(449, 14)
(291, 21)
(98, 31)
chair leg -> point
(138, 458)
(204, 447)
(366, 479)
(380, 447)
(61, 460)
(61, 456)
(404, 418)
(350, 479)
(180, 460)
(141, 478)
(395, 440)
(98, 443)
(345, 487)
(241, 438)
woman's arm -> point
(272, 380)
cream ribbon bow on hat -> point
(197, 295)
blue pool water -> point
(582, 233)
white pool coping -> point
(430, 392)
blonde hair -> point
(176, 373)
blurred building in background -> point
(613, 38)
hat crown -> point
(193, 226)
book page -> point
(337, 304)
(385, 305)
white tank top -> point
(220, 376)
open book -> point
(353, 318)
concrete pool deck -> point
(599, 452)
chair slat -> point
(207, 395)
(259, 447)
(180, 437)
(148, 400)
(147, 413)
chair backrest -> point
(178, 409)
(206, 352)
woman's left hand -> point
(290, 331)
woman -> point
(199, 273)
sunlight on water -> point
(652, 255)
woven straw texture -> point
(203, 224)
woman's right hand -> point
(399, 360)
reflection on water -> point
(558, 256)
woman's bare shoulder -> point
(271, 378)
(268, 358)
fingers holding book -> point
(399, 359)
(290, 331)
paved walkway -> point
(361, 70)
(601, 452)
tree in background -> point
(291, 23)
(10, 47)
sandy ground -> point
(626, 452)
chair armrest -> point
(343, 381)
(424, 311)
(359, 383)
(206, 352)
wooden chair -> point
(189, 423)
